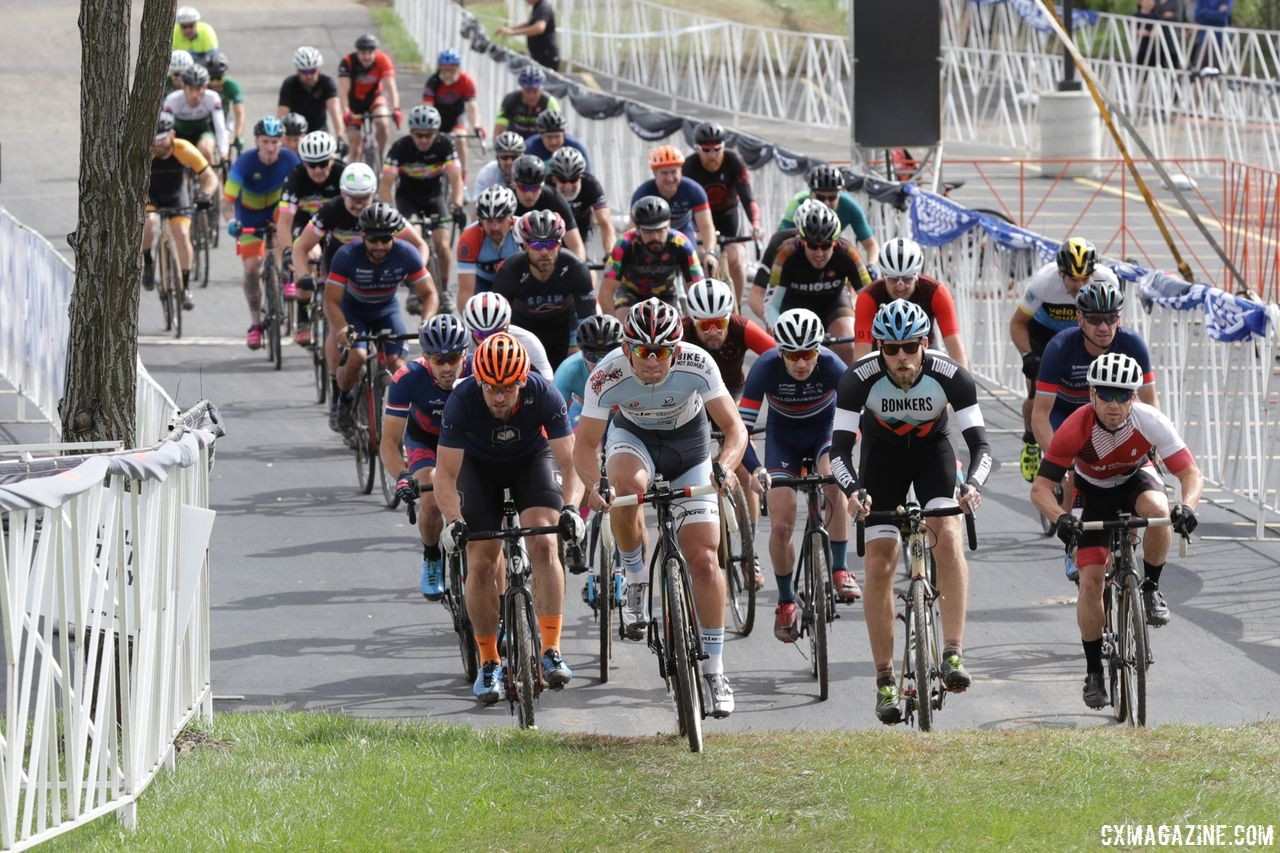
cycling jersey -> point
(230, 92)
(415, 395)
(190, 123)
(419, 174)
(797, 283)
(1049, 305)
(571, 380)
(479, 256)
(800, 410)
(375, 283)
(366, 80)
(336, 226)
(303, 197)
(742, 335)
(468, 425)
(1064, 370)
(847, 209)
(168, 186)
(255, 187)
(549, 199)
(930, 294)
(725, 187)
(551, 309)
(489, 175)
(641, 273)
(589, 199)
(199, 45)
(679, 399)
(310, 102)
(1105, 458)
(449, 99)
(689, 198)
(535, 146)
(521, 118)
(537, 352)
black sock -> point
(431, 552)
(146, 256)
(186, 278)
(1152, 575)
(1028, 438)
(333, 386)
(1092, 655)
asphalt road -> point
(315, 587)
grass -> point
(305, 781)
(394, 37)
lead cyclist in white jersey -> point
(487, 314)
(659, 388)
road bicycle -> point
(204, 228)
(426, 223)
(455, 598)
(275, 319)
(370, 151)
(365, 437)
(920, 680)
(676, 642)
(168, 275)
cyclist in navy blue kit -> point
(690, 208)
(508, 428)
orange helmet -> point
(500, 360)
(665, 155)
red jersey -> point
(366, 80)
(449, 99)
(930, 294)
(1106, 459)
(743, 335)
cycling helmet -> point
(652, 323)
(487, 312)
(817, 223)
(550, 121)
(180, 61)
(651, 212)
(188, 15)
(708, 133)
(567, 163)
(664, 156)
(317, 147)
(1115, 370)
(900, 320)
(424, 117)
(496, 202)
(797, 330)
(195, 75)
(710, 299)
(528, 169)
(500, 360)
(307, 58)
(164, 124)
(449, 56)
(824, 178)
(599, 333)
(531, 77)
(217, 64)
(380, 218)
(508, 142)
(367, 42)
(269, 126)
(901, 257)
(1099, 297)
(295, 124)
(1077, 258)
(358, 181)
(540, 225)
(443, 333)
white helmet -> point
(901, 257)
(797, 330)
(317, 147)
(180, 61)
(358, 181)
(307, 58)
(188, 15)
(1115, 370)
(487, 312)
(710, 299)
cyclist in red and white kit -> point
(367, 84)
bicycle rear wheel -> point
(360, 437)
(379, 397)
(922, 637)
(523, 658)
(1133, 650)
(737, 560)
(679, 627)
(604, 592)
(816, 580)
(461, 623)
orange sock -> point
(488, 647)
(550, 627)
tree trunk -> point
(117, 123)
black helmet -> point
(367, 42)
(295, 124)
(708, 133)
(549, 121)
(1099, 297)
(600, 333)
(824, 177)
(380, 219)
(217, 64)
(196, 75)
(540, 225)
(651, 212)
(568, 164)
(528, 169)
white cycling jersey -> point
(208, 110)
(537, 352)
(694, 381)
(1046, 298)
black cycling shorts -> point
(427, 206)
(534, 481)
(1102, 504)
(888, 471)
(828, 308)
(727, 222)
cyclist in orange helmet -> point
(690, 209)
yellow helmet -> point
(1077, 257)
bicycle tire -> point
(215, 215)
(461, 623)
(271, 320)
(525, 663)
(920, 655)
(360, 438)
(200, 249)
(388, 485)
(319, 329)
(174, 289)
(1133, 631)
(817, 580)
(162, 283)
(604, 596)
(1110, 612)
(687, 698)
(739, 565)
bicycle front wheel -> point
(1111, 648)
(604, 592)
(200, 249)
(524, 660)
(922, 636)
(365, 462)
(737, 560)
(319, 328)
(461, 622)
(680, 628)
(816, 582)
(1133, 650)
(164, 285)
(174, 288)
(271, 292)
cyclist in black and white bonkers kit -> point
(898, 398)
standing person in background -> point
(1150, 51)
(540, 31)
(1209, 13)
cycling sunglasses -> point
(379, 238)
(1114, 395)
(801, 355)
(443, 358)
(1111, 318)
(713, 324)
(593, 355)
(501, 390)
(424, 134)
(309, 72)
(530, 188)
(826, 197)
(646, 351)
(543, 245)
(319, 166)
(712, 147)
(820, 247)
(909, 347)
(509, 157)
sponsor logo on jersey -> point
(601, 378)
(506, 434)
(889, 405)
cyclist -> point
(252, 192)
(1105, 444)
(193, 35)
(231, 93)
(819, 270)
(312, 183)
(197, 114)
(505, 428)
(552, 136)
(799, 381)
(507, 148)
(519, 110)
(712, 324)
(415, 404)
(660, 387)
(529, 180)
(584, 193)
(648, 260)
(452, 91)
(366, 83)
(549, 289)
(901, 261)
(690, 210)
(170, 160)
(486, 314)
(360, 295)
(598, 335)
(826, 184)
(1048, 306)
(724, 177)
(415, 166)
(487, 243)
(179, 61)
(295, 127)
(898, 398)
(310, 93)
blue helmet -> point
(449, 56)
(532, 77)
(269, 126)
(443, 333)
(900, 320)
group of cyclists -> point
(567, 389)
